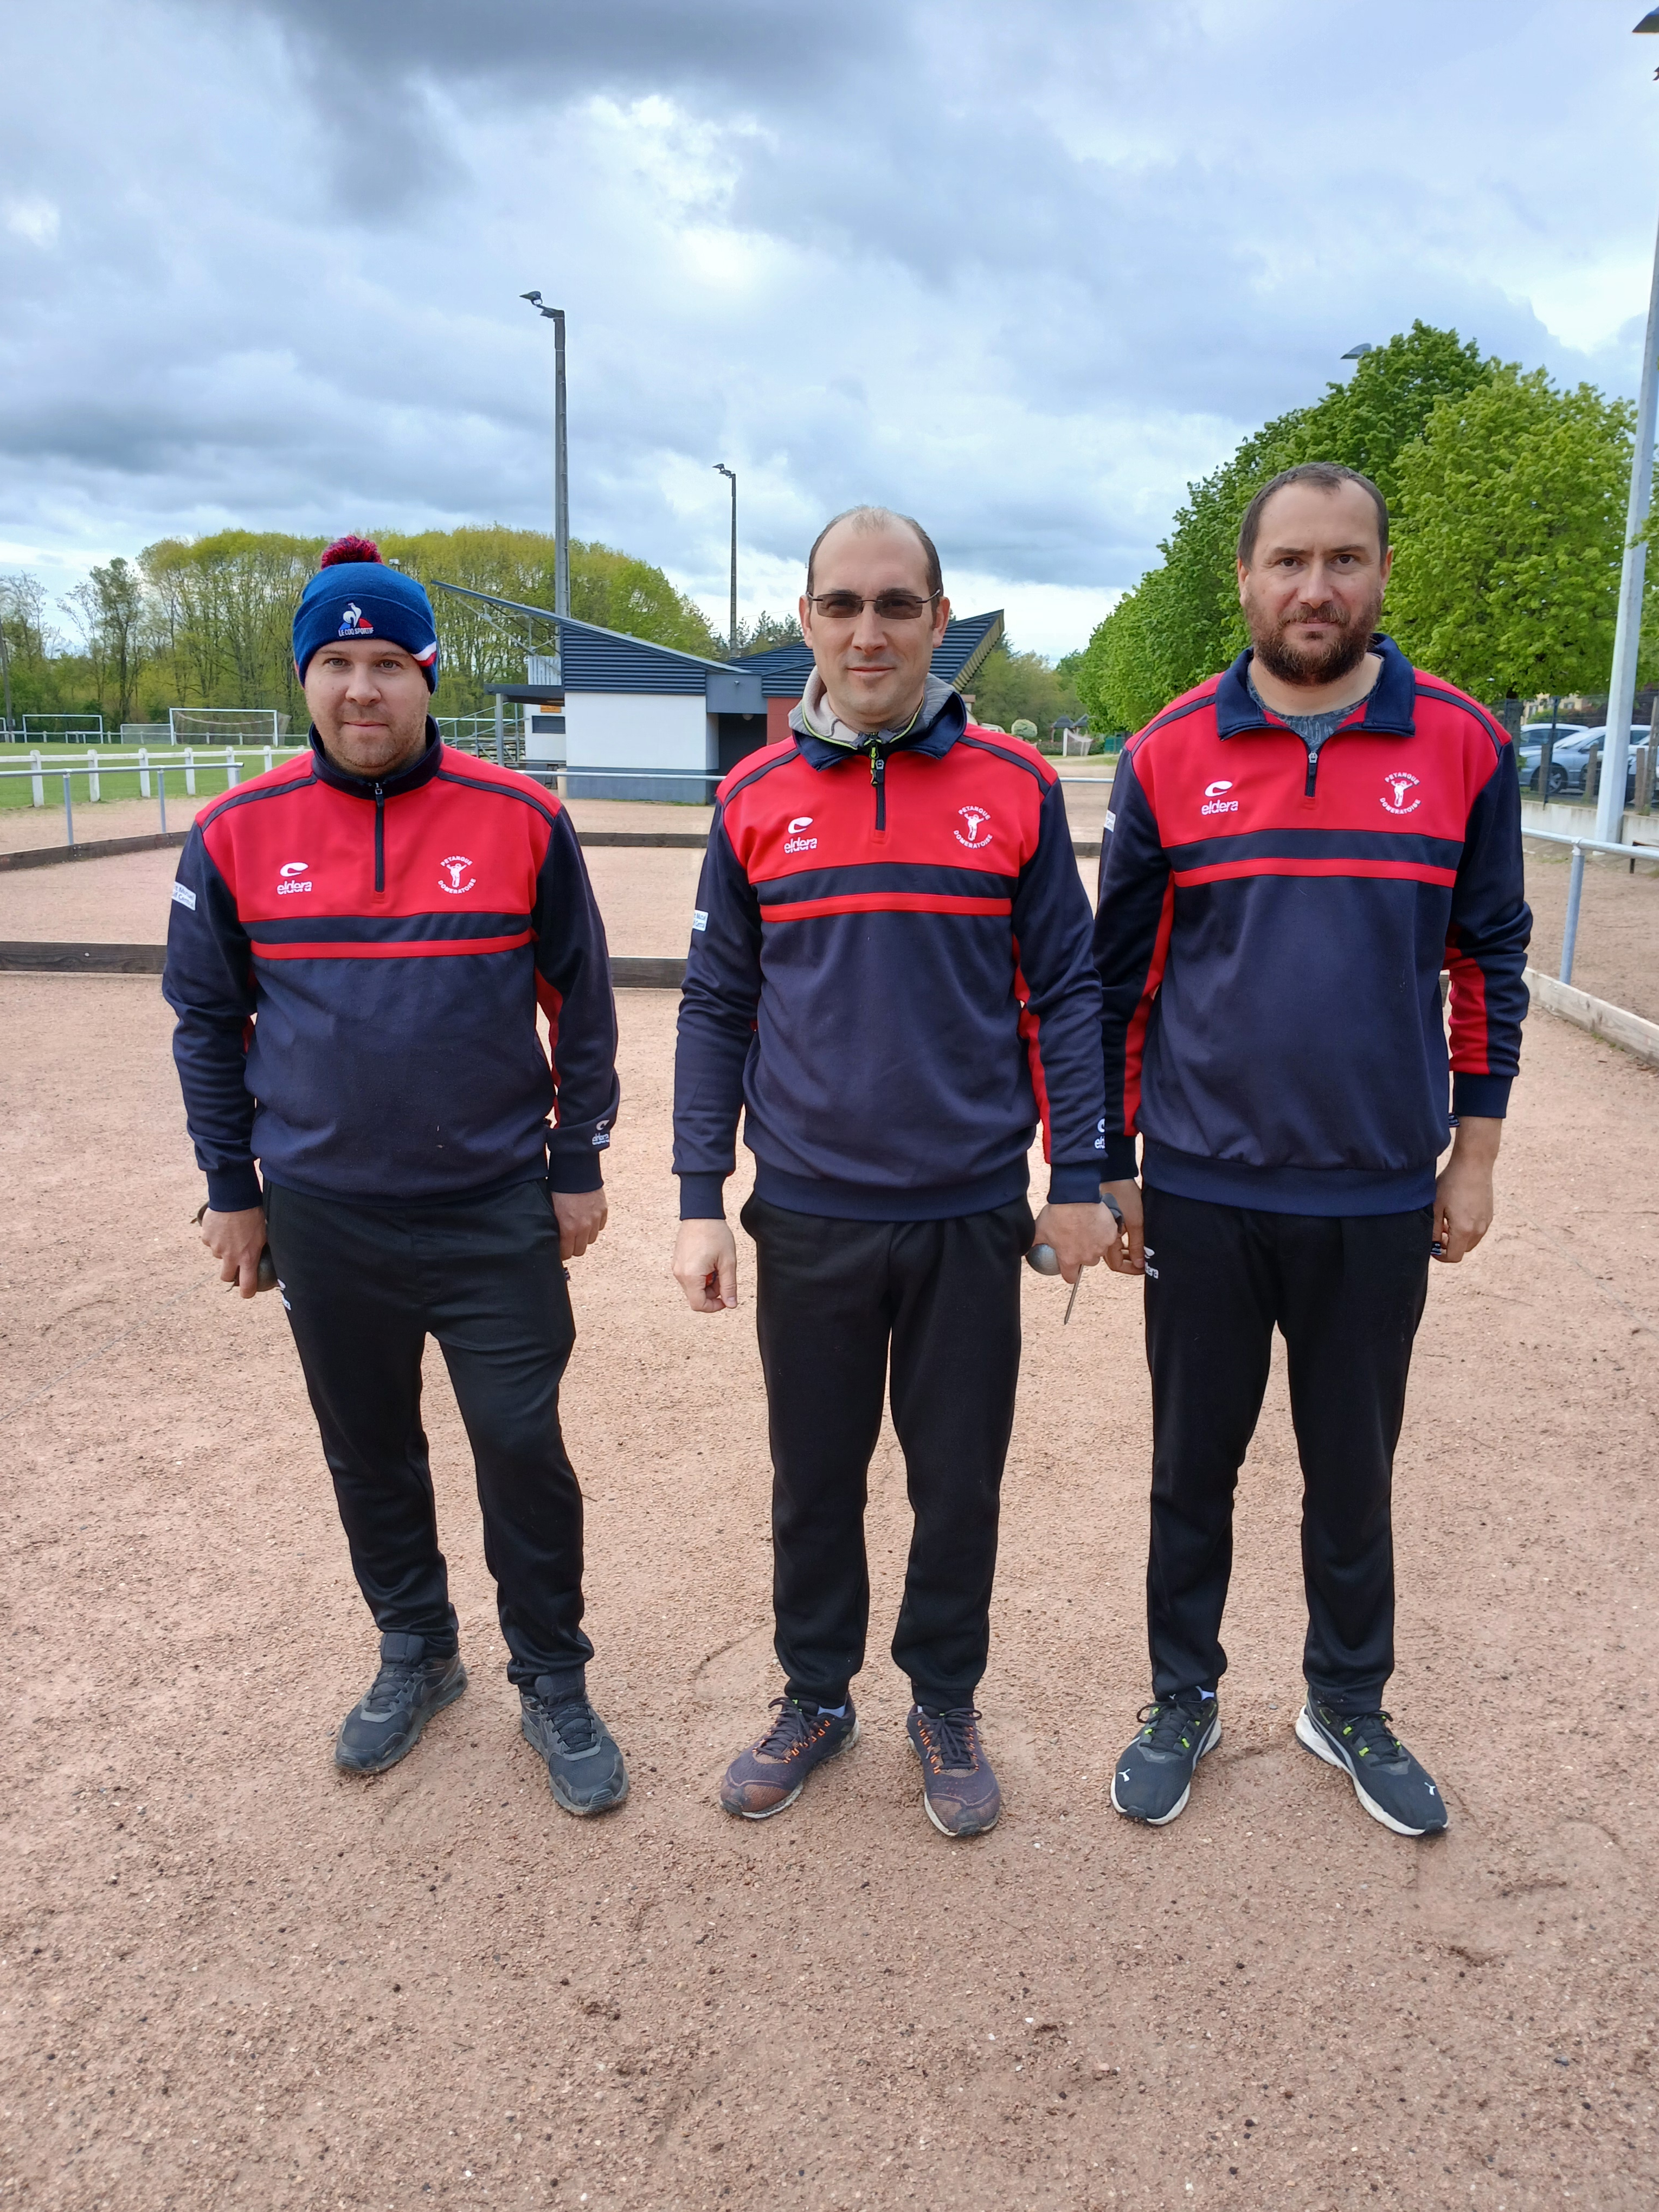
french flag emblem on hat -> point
(385, 606)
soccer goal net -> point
(226, 726)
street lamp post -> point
(720, 469)
(561, 461)
(1627, 635)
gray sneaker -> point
(1386, 1780)
(1153, 1779)
(959, 1790)
(585, 1769)
(386, 1725)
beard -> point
(1322, 663)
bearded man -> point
(1293, 851)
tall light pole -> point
(561, 461)
(5, 668)
(1627, 635)
(720, 469)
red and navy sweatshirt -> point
(356, 968)
(1272, 927)
(890, 975)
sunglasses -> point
(889, 606)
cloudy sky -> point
(1022, 270)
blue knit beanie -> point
(355, 594)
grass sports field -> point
(118, 785)
(234, 1977)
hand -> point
(1463, 1195)
(580, 1215)
(1127, 1253)
(702, 1250)
(236, 1241)
(1078, 1235)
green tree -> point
(767, 631)
(112, 614)
(1511, 535)
(221, 610)
(218, 610)
(619, 592)
(608, 587)
(44, 677)
(1182, 622)
(1010, 686)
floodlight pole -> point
(561, 461)
(5, 670)
(1627, 635)
(720, 469)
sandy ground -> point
(29, 827)
(233, 1977)
(646, 895)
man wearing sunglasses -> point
(890, 976)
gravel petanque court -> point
(233, 1977)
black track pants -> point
(1348, 1294)
(832, 1296)
(365, 1286)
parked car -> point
(1570, 758)
(1529, 752)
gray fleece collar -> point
(815, 718)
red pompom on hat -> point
(350, 549)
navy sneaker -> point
(386, 1725)
(1386, 1780)
(585, 1769)
(1154, 1777)
(957, 1786)
(773, 1771)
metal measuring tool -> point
(1043, 1259)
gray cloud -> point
(1023, 272)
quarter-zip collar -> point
(1387, 708)
(940, 720)
(420, 770)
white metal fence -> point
(210, 764)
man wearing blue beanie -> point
(361, 942)
(355, 595)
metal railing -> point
(1579, 847)
(225, 761)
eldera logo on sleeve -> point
(1397, 784)
(454, 869)
(976, 818)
